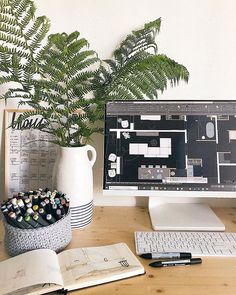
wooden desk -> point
(117, 224)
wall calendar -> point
(29, 156)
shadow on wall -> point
(2, 151)
(97, 143)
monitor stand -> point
(183, 217)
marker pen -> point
(163, 255)
(21, 194)
(21, 205)
(35, 207)
(48, 194)
(42, 196)
(24, 197)
(63, 212)
(67, 206)
(42, 205)
(42, 213)
(32, 222)
(63, 201)
(38, 218)
(12, 219)
(35, 199)
(3, 207)
(18, 211)
(15, 207)
(30, 211)
(50, 218)
(54, 194)
(58, 214)
(27, 200)
(29, 205)
(57, 201)
(48, 206)
(31, 197)
(9, 206)
(176, 262)
(54, 209)
(6, 215)
(13, 201)
(23, 223)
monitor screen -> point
(170, 145)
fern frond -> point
(8, 20)
(10, 51)
(65, 83)
(147, 75)
(10, 29)
(137, 73)
(21, 35)
(138, 41)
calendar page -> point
(29, 154)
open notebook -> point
(43, 271)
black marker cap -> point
(50, 218)
(31, 221)
(196, 260)
(38, 218)
(22, 223)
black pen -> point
(35, 199)
(31, 221)
(58, 214)
(63, 212)
(38, 218)
(163, 255)
(42, 212)
(176, 262)
(22, 223)
(12, 219)
(50, 218)
(30, 211)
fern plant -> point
(60, 95)
(65, 82)
(137, 71)
(21, 37)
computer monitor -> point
(170, 149)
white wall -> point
(198, 33)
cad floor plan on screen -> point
(151, 145)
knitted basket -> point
(55, 236)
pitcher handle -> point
(94, 154)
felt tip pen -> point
(50, 218)
(38, 218)
(42, 212)
(176, 262)
(12, 219)
(163, 255)
(35, 207)
(22, 223)
(31, 221)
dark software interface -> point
(170, 145)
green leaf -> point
(65, 82)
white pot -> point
(73, 176)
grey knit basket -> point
(55, 236)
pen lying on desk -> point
(163, 255)
(176, 262)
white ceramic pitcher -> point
(73, 175)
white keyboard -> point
(198, 243)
